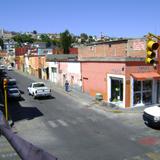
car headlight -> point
(156, 119)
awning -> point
(145, 75)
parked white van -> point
(151, 116)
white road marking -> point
(52, 124)
(63, 123)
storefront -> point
(142, 92)
(144, 88)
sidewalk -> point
(6, 150)
(84, 98)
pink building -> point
(117, 70)
(64, 67)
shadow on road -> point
(45, 98)
(17, 112)
(22, 92)
(153, 127)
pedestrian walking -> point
(66, 86)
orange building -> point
(117, 70)
(38, 66)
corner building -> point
(117, 70)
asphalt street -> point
(75, 128)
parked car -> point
(2, 66)
(12, 83)
(151, 116)
(9, 68)
(39, 89)
(13, 93)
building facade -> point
(117, 71)
(65, 67)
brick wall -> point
(129, 48)
(73, 50)
(20, 51)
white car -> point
(9, 68)
(151, 116)
(2, 66)
(39, 89)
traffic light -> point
(5, 82)
(151, 47)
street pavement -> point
(85, 98)
(130, 117)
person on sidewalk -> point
(66, 86)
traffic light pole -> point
(152, 35)
(5, 103)
(151, 47)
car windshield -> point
(13, 91)
(12, 82)
(38, 85)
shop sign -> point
(138, 45)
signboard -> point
(138, 45)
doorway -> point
(116, 89)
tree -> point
(66, 41)
(46, 39)
(84, 37)
(34, 32)
(17, 38)
(56, 42)
(22, 38)
(90, 39)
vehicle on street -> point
(2, 69)
(13, 93)
(12, 83)
(2, 66)
(151, 116)
(9, 68)
(39, 89)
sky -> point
(114, 18)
